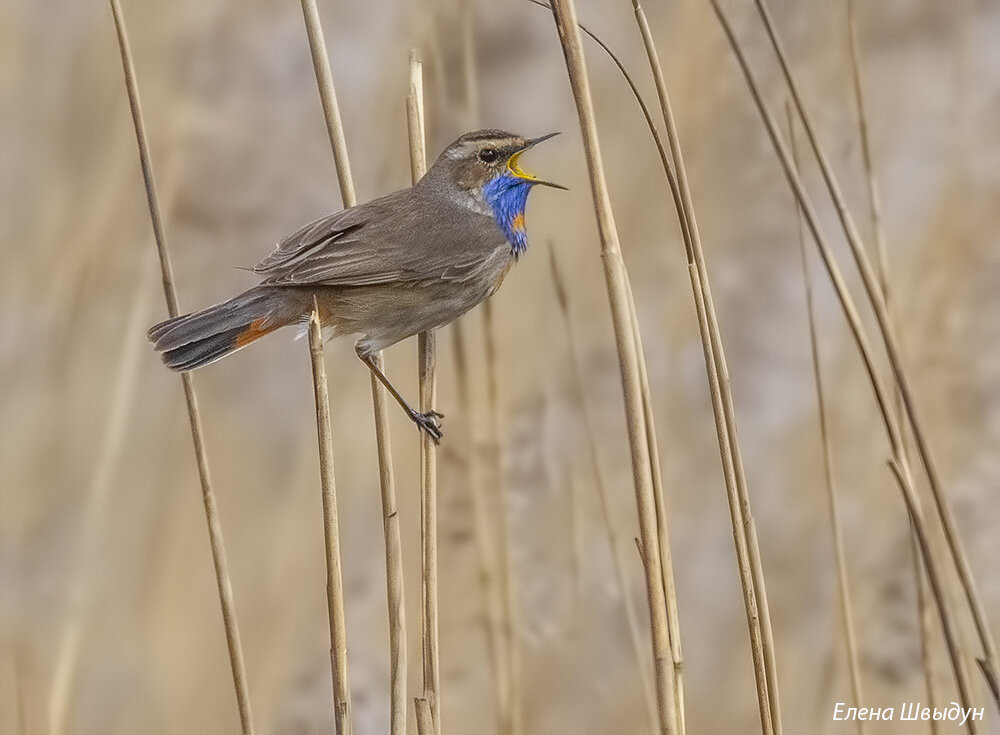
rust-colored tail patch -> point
(254, 331)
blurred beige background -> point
(242, 158)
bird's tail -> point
(194, 340)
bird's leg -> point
(427, 422)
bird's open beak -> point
(516, 170)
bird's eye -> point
(488, 155)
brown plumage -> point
(398, 265)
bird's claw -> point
(428, 422)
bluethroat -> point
(405, 263)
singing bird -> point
(408, 262)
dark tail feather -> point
(194, 340)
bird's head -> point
(483, 167)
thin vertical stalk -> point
(222, 578)
(510, 713)
(743, 563)
(925, 621)
(874, 196)
(331, 532)
(425, 721)
(426, 363)
(666, 562)
(839, 555)
(748, 552)
(924, 612)
(387, 486)
(393, 561)
(878, 304)
(882, 399)
(328, 98)
(935, 583)
(603, 494)
(564, 14)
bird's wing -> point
(389, 240)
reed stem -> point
(839, 555)
(603, 494)
(426, 365)
(396, 610)
(924, 612)
(748, 552)
(878, 303)
(663, 532)
(564, 14)
(331, 532)
(875, 213)
(861, 340)
(221, 564)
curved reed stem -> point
(564, 14)
(877, 299)
(222, 578)
(748, 552)
(839, 555)
(861, 340)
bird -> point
(408, 262)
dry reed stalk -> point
(393, 562)
(331, 532)
(603, 494)
(94, 516)
(878, 304)
(510, 712)
(425, 720)
(564, 14)
(924, 611)
(925, 621)
(743, 563)
(328, 98)
(663, 532)
(426, 363)
(874, 197)
(744, 530)
(390, 520)
(849, 309)
(21, 702)
(875, 214)
(236, 662)
(937, 589)
(839, 555)
(673, 617)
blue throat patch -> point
(507, 196)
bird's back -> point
(413, 236)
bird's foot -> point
(429, 422)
